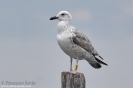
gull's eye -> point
(62, 14)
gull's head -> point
(62, 16)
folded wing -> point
(81, 40)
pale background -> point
(29, 50)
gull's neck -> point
(63, 26)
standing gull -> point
(74, 43)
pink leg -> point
(71, 71)
(71, 64)
(76, 67)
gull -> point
(74, 43)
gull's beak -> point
(53, 18)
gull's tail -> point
(96, 63)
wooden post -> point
(70, 80)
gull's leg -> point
(76, 66)
(71, 64)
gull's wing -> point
(81, 40)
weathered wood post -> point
(70, 80)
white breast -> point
(65, 42)
(64, 38)
(71, 49)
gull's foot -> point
(73, 72)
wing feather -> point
(81, 40)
